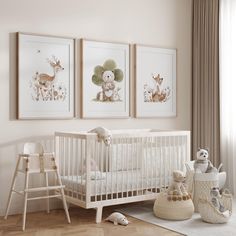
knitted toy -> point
(177, 190)
(202, 164)
(103, 135)
(117, 218)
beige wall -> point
(164, 23)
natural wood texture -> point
(82, 223)
(33, 164)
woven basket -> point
(211, 215)
(203, 182)
(172, 210)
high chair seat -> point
(34, 160)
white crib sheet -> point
(116, 182)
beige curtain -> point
(205, 115)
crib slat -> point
(88, 170)
(116, 167)
(127, 147)
(77, 165)
(102, 160)
(82, 162)
(122, 168)
(106, 154)
(111, 160)
(152, 162)
(164, 160)
(139, 164)
(132, 166)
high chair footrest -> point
(44, 197)
(44, 188)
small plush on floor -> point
(118, 218)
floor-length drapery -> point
(228, 89)
(205, 115)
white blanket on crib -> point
(114, 182)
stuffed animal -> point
(177, 186)
(106, 76)
(202, 164)
(216, 199)
(118, 218)
(147, 93)
(108, 85)
(103, 135)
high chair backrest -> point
(31, 148)
(38, 160)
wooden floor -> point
(83, 224)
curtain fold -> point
(228, 89)
(205, 83)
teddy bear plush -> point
(177, 186)
(108, 85)
(106, 76)
(202, 164)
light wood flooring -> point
(83, 224)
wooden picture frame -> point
(105, 77)
(45, 77)
(155, 82)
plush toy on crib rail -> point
(103, 135)
(202, 164)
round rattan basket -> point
(173, 209)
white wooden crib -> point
(135, 167)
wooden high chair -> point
(34, 161)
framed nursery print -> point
(155, 82)
(45, 77)
(105, 80)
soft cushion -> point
(173, 210)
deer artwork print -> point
(156, 93)
(45, 87)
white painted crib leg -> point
(99, 214)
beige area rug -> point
(192, 227)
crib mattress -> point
(116, 182)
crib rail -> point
(135, 167)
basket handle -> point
(226, 191)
